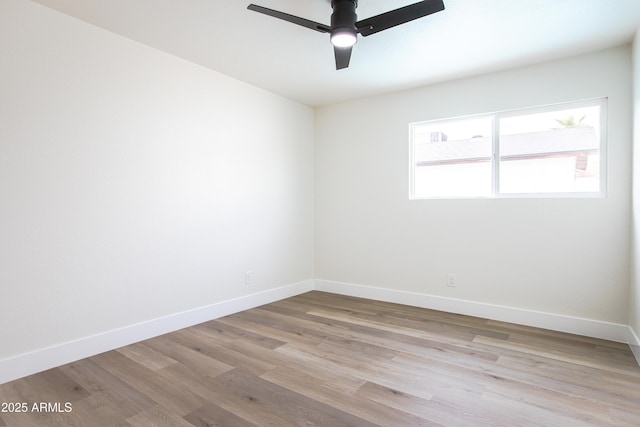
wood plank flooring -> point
(320, 359)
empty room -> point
(319, 213)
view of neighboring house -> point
(552, 160)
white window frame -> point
(495, 159)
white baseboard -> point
(556, 322)
(46, 358)
(634, 343)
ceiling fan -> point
(345, 27)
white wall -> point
(634, 291)
(135, 185)
(562, 256)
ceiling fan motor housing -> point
(344, 16)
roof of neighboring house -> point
(535, 144)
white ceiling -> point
(469, 37)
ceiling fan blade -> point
(343, 56)
(399, 16)
(291, 18)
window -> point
(544, 151)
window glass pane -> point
(452, 158)
(539, 151)
(551, 152)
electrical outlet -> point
(451, 280)
(248, 278)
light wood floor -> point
(325, 360)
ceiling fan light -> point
(343, 38)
